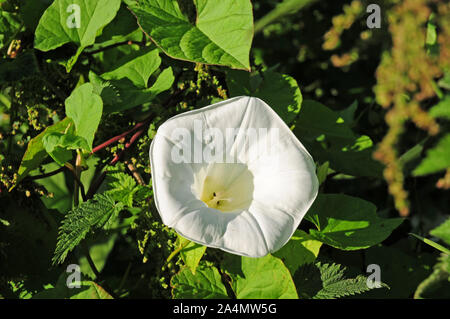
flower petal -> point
(284, 183)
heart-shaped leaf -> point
(221, 35)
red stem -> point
(127, 145)
(117, 138)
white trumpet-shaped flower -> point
(232, 176)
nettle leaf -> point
(35, 153)
(191, 253)
(328, 281)
(85, 108)
(259, 278)
(109, 93)
(76, 21)
(437, 158)
(301, 249)
(129, 80)
(348, 223)
(59, 146)
(328, 137)
(437, 284)
(221, 35)
(205, 284)
(442, 231)
(99, 212)
(280, 91)
(121, 187)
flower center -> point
(225, 187)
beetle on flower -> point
(232, 176)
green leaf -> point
(57, 185)
(85, 108)
(438, 283)
(98, 212)
(280, 91)
(122, 28)
(121, 187)
(55, 30)
(222, 33)
(59, 146)
(348, 114)
(349, 223)
(442, 109)
(59, 154)
(108, 92)
(327, 281)
(437, 158)
(137, 68)
(61, 290)
(192, 253)
(260, 278)
(205, 284)
(126, 85)
(442, 231)
(60, 185)
(57, 25)
(322, 172)
(35, 153)
(329, 138)
(316, 119)
(94, 291)
(100, 248)
(301, 249)
(432, 35)
(445, 81)
(354, 158)
(131, 96)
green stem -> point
(124, 278)
(77, 173)
(57, 171)
(176, 251)
(432, 244)
(91, 262)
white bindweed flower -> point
(232, 176)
